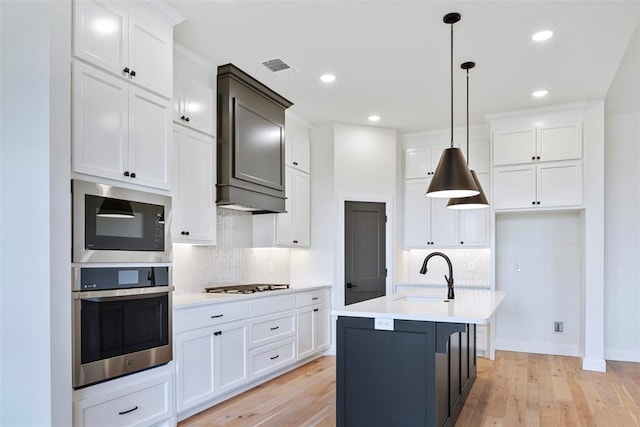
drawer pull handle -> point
(126, 412)
(274, 328)
(217, 333)
(274, 357)
(315, 309)
(314, 298)
(217, 316)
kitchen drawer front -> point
(267, 359)
(321, 296)
(271, 304)
(209, 315)
(143, 404)
(274, 327)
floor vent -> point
(277, 65)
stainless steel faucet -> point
(449, 279)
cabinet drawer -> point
(213, 314)
(141, 405)
(269, 305)
(272, 357)
(272, 328)
(314, 297)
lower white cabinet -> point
(314, 331)
(267, 359)
(193, 187)
(209, 362)
(543, 185)
(140, 399)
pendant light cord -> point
(467, 117)
(452, 85)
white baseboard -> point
(622, 355)
(525, 347)
(597, 365)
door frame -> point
(339, 289)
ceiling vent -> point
(277, 65)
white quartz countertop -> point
(191, 299)
(469, 306)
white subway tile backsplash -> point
(232, 260)
(470, 267)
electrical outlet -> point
(270, 267)
(558, 327)
(383, 324)
(470, 266)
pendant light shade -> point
(115, 208)
(478, 201)
(452, 177)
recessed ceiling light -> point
(540, 93)
(374, 118)
(542, 35)
(327, 78)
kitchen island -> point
(408, 359)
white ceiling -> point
(392, 57)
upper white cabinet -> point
(126, 40)
(474, 225)
(120, 131)
(421, 162)
(551, 143)
(193, 187)
(537, 159)
(297, 152)
(194, 104)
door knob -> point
(351, 285)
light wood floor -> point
(517, 389)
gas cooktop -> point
(246, 289)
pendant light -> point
(452, 177)
(478, 201)
(115, 208)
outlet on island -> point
(383, 324)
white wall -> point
(35, 309)
(622, 209)
(539, 263)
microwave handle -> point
(123, 293)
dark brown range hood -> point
(250, 144)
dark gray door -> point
(364, 251)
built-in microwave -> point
(113, 224)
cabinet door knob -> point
(183, 118)
(295, 241)
(133, 174)
(217, 333)
(126, 70)
(538, 157)
(295, 163)
(126, 173)
(462, 243)
(537, 203)
(186, 119)
(315, 309)
(184, 233)
(132, 74)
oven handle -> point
(114, 293)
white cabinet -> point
(209, 362)
(120, 131)
(125, 40)
(297, 152)
(421, 162)
(141, 399)
(474, 225)
(194, 104)
(291, 228)
(194, 212)
(314, 334)
(544, 185)
(427, 221)
(538, 144)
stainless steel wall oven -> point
(121, 321)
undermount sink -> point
(422, 298)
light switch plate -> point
(383, 324)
